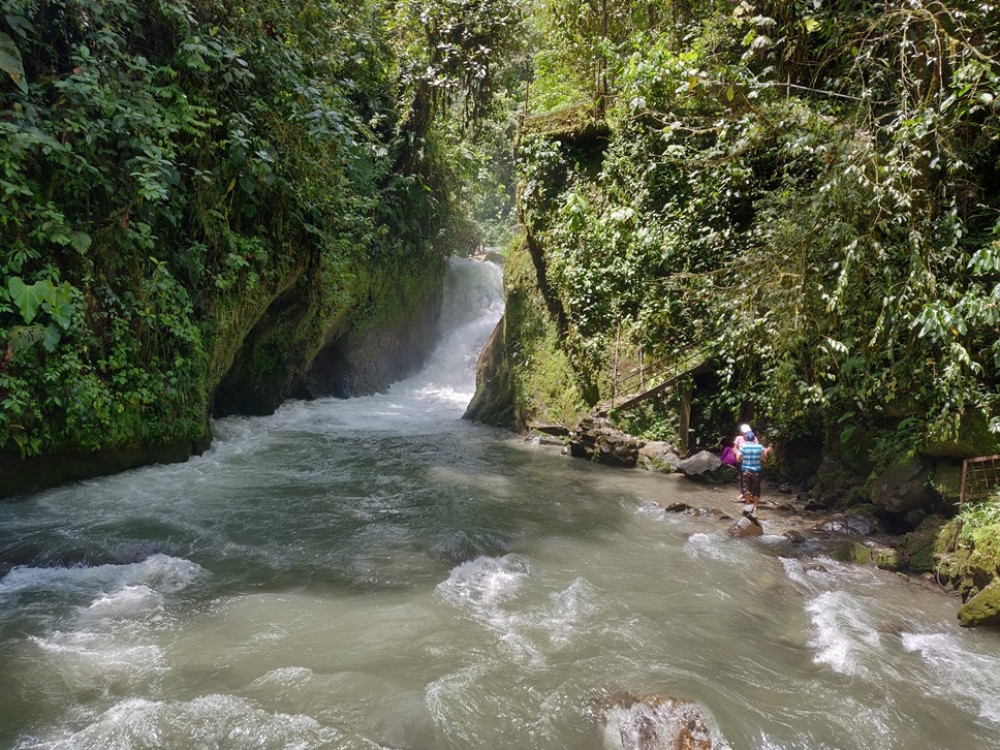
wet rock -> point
(850, 525)
(598, 440)
(888, 558)
(982, 609)
(653, 722)
(918, 550)
(902, 488)
(818, 503)
(852, 552)
(815, 568)
(795, 537)
(748, 525)
(833, 481)
(657, 455)
(707, 468)
(699, 511)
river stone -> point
(902, 488)
(852, 552)
(600, 441)
(746, 526)
(982, 609)
(707, 468)
(889, 558)
(653, 722)
(657, 455)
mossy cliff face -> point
(316, 340)
(304, 335)
(523, 377)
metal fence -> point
(980, 478)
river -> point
(379, 573)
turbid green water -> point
(378, 573)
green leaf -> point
(20, 24)
(57, 233)
(10, 62)
(730, 93)
(80, 241)
(28, 298)
(22, 337)
(52, 335)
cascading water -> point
(378, 572)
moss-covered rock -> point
(889, 558)
(981, 609)
(852, 552)
(901, 488)
(972, 439)
(946, 479)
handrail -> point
(662, 373)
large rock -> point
(653, 722)
(901, 488)
(748, 525)
(657, 455)
(706, 467)
(974, 438)
(600, 441)
(982, 609)
(833, 483)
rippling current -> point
(379, 573)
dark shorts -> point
(751, 483)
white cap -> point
(745, 428)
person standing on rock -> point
(738, 442)
(751, 455)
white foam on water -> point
(480, 586)
(284, 678)
(843, 632)
(210, 721)
(161, 573)
(960, 671)
(716, 547)
(129, 601)
(569, 610)
(483, 588)
(85, 661)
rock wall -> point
(304, 336)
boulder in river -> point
(748, 525)
(982, 609)
(653, 722)
(600, 441)
(657, 455)
(706, 467)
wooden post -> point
(685, 419)
(614, 382)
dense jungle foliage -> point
(807, 187)
(169, 168)
(810, 187)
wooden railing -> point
(647, 380)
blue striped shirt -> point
(750, 456)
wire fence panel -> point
(980, 478)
